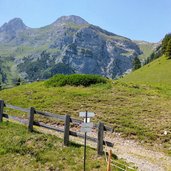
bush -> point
(75, 80)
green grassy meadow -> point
(138, 106)
(138, 111)
(155, 73)
(21, 150)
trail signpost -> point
(86, 127)
(89, 114)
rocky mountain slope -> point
(69, 45)
(147, 49)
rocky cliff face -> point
(69, 45)
(93, 51)
(10, 30)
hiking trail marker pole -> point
(86, 126)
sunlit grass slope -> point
(156, 72)
(21, 150)
(137, 111)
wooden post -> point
(31, 119)
(66, 130)
(1, 110)
(100, 138)
(109, 160)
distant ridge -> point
(14, 25)
(68, 45)
(70, 19)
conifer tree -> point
(18, 82)
(168, 50)
(165, 41)
(136, 63)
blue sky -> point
(147, 20)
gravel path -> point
(143, 158)
(129, 150)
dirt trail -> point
(144, 159)
(129, 150)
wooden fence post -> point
(100, 138)
(109, 160)
(31, 119)
(66, 130)
(1, 110)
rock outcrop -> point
(70, 42)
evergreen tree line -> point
(44, 67)
(163, 49)
(156, 54)
(166, 46)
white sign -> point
(88, 120)
(86, 127)
(89, 114)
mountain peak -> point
(14, 24)
(70, 19)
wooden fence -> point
(67, 120)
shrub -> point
(75, 80)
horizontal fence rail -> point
(48, 127)
(47, 114)
(15, 118)
(17, 108)
(57, 116)
(100, 127)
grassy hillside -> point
(21, 150)
(156, 72)
(137, 111)
(147, 49)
